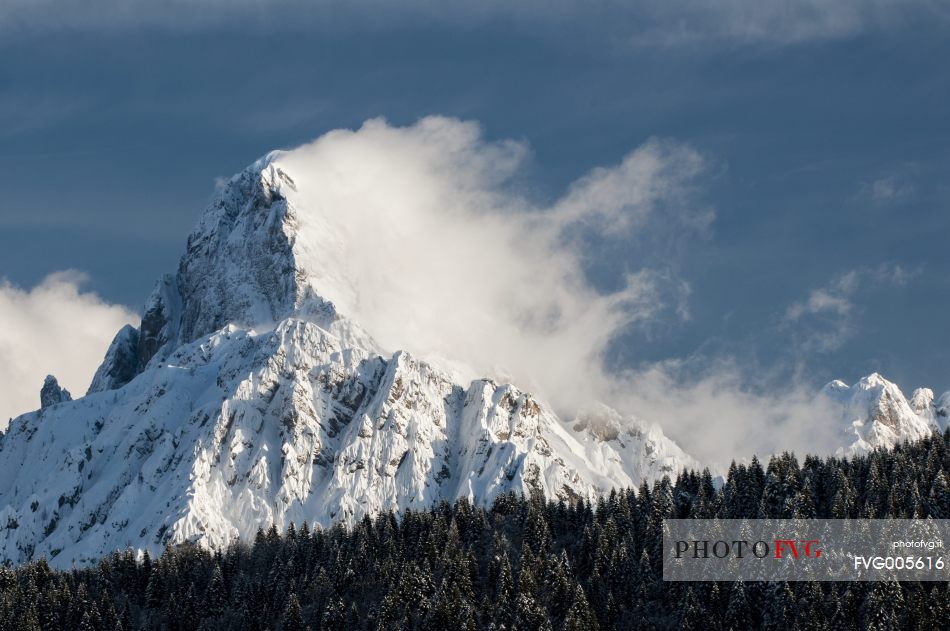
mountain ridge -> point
(875, 413)
(246, 399)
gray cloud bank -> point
(654, 22)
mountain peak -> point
(249, 397)
(874, 380)
(835, 386)
(942, 411)
(52, 393)
(239, 267)
(922, 401)
(875, 413)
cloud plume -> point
(55, 328)
(419, 234)
(422, 236)
(426, 236)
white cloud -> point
(718, 410)
(424, 240)
(53, 328)
(825, 319)
(833, 299)
(432, 248)
(624, 197)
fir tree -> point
(938, 501)
(523, 563)
(691, 613)
(738, 613)
(293, 618)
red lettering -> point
(780, 545)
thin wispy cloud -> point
(827, 317)
(652, 22)
(624, 197)
(888, 189)
(780, 22)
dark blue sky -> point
(831, 153)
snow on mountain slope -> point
(245, 399)
(875, 413)
(942, 411)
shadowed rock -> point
(121, 362)
(52, 393)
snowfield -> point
(246, 398)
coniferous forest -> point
(522, 564)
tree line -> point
(524, 563)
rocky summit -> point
(246, 398)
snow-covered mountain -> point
(875, 413)
(247, 398)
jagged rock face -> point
(875, 413)
(245, 399)
(239, 266)
(52, 393)
(160, 322)
(253, 402)
(121, 362)
(238, 431)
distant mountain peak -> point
(922, 402)
(875, 413)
